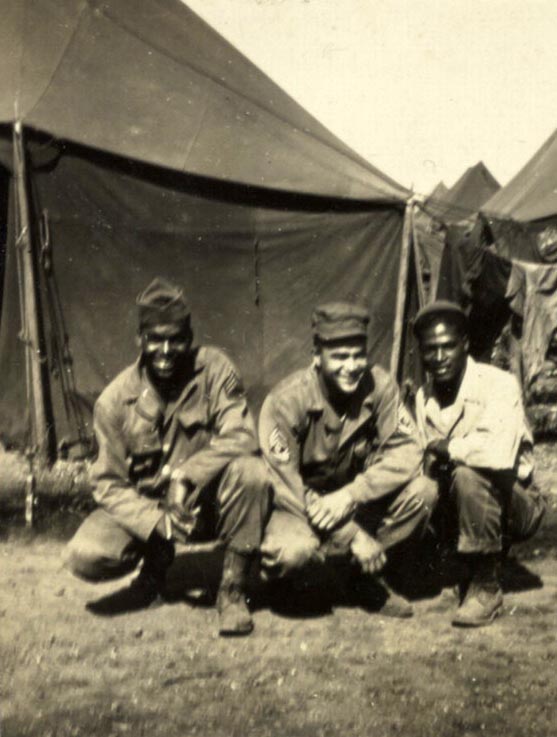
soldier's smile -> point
(443, 352)
(343, 364)
(164, 349)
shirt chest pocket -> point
(144, 445)
(363, 451)
(194, 424)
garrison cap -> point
(336, 320)
(439, 309)
(162, 302)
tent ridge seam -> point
(351, 156)
(60, 60)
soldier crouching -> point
(176, 463)
(479, 450)
(344, 460)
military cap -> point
(162, 302)
(439, 309)
(336, 320)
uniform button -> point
(166, 470)
(166, 447)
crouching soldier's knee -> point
(289, 545)
(424, 492)
(84, 559)
(249, 473)
(297, 554)
(101, 549)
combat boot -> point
(147, 590)
(234, 615)
(484, 598)
(380, 598)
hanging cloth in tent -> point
(532, 290)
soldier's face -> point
(343, 364)
(165, 349)
(443, 350)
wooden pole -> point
(422, 297)
(401, 289)
(31, 327)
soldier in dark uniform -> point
(344, 459)
(176, 461)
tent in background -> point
(154, 147)
(466, 196)
(505, 267)
(523, 214)
(438, 195)
(531, 194)
(449, 212)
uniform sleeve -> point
(421, 420)
(398, 459)
(232, 426)
(495, 439)
(281, 450)
(113, 490)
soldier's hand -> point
(368, 552)
(439, 449)
(437, 460)
(178, 490)
(328, 511)
(182, 521)
(164, 527)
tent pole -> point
(422, 296)
(31, 328)
(401, 288)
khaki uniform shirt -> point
(486, 425)
(196, 435)
(373, 451)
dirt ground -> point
(334, 670)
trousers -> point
(234, 509)
(290, 543)
(486, 510)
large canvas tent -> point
(466, 196)
(505, 267)
(445, 217)
(438, 193)
(153, 147)
(531, 194)
(523, 214)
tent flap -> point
(253, 273)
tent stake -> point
(30, 329)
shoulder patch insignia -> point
(405, 423)
(278, 446)
(233, 386)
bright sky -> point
(423, 89)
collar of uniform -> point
(360, 409)
(356, 415)
(314, 397)
(368, 388)
(466, 391)
(189, 389)
(469, 371)
(136, 381)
